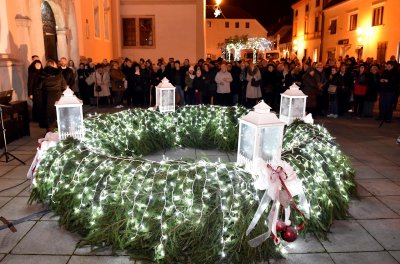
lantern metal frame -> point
(292, 94)
(165, 89)
(258, 120)
(69, 100)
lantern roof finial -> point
(262, 107)
(68, 99)
(165, 83)
(294, 91)
(262, 116)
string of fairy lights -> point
(174, 209)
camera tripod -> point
(8, 156)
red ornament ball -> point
(280, 226)
(290, 234)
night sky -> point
(268, 12)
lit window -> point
(377, 18)
(226, 24)
(316, 28)
(353, 22)
(138, 32)
(333, 26)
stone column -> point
(74, 41)
(5, 61)
(36, 29)
(116, 28)
(4, 44)
(62, 47)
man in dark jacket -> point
(50, 83)
(129, 72)
(67, 73)
(178, 80)
(388, 90)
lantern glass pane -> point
(270, 139)
(298, 107)
(70, 119)
(285, 106)
(247, 140)
(168, 97)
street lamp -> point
(217, 9)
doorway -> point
(49, 32)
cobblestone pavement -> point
(371, 233)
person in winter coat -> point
(117, 84)
(101, 84)
(189, 92)
(198, 86)
(210, 86)
(50, 83)
(360, 90)
(253, 89)
(68, 73)
(178, 80)
(268, 83)
(139, 83)
(235, 85)
(372, 91)
(332, 90)
(387, 92)
(223, 80)
(83, 87)
(311, 89)
(33, 92)
(129, 72)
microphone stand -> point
(6, 153)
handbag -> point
(98, 88)
(89, 80)
(255, 83)
(332, 89)
(360, 89)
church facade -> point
(95, 29)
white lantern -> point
(293, 104)
(165, 96)
(69, 115)
(260, 136)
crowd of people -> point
(333, 89)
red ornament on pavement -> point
(290, 234)
(280, 226)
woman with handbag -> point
(360, 90)
(253, 90)
(101, 84)
(332, 93)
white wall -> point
(175, 31)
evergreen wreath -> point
(181, 211)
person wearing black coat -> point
(50, 83)
(345, 84)
(68, 73)
(268, 76)
(387, 92)
(178, 76)
(198, 86)
(129, 72)
(33, 71)
(235, 84)
(372, 91)
(82, 85)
